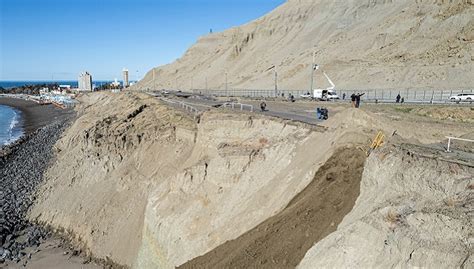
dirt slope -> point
(282, 240)
(413, 211)
(140, 184)
(360, 44)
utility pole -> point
(154, 80)
(226, 85)
(276, 83)
(312, 71)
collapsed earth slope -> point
(413, 211)
(143, 185)
(360, 44)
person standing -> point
(398, 98)
(263, 106)
(353, 100)
(344, 96)
(358, 95)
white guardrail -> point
(238, 106)
(456, 138)
(183, 105)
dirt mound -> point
(413, 211)
(461, 114)
(360, 44)
(282, 240)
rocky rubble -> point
(21, 171)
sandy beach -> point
(35, 116)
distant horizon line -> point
(52, 80)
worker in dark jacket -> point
(353, 100)
(358, 95)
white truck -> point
(323, 94)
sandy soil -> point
(360, 44)
(52, 254)
(283, 240)
(143, 185)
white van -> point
(325, 95)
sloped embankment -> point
(144, 186)
(283, 240)
(361, 44)
(413, 211)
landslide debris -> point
(282, 240)
(413, 211)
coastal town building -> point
(85, 82)
(125, 78)
(116, 83)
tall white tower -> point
(85, 82)
(125, 78)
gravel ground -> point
(21, 171)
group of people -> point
(355, 99)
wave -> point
(15, 130)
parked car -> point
(462, 97)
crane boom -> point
(330, 81)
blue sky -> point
(57, 39)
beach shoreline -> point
(22, 166)
(35, 116)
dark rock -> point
(22, 165)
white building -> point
(125, 78)
(85, 82)
(116, 83)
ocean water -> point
(10, 125)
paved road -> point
(290, 111)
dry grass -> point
(451, 201)
(393, 217)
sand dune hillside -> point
(360, 44)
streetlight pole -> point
(276, 83)
(154, 80)
(226, 85)
(313, 67)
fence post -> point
(441, 98)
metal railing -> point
(381, 95)
(456, 138)
(239, 106)
(185, 106)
